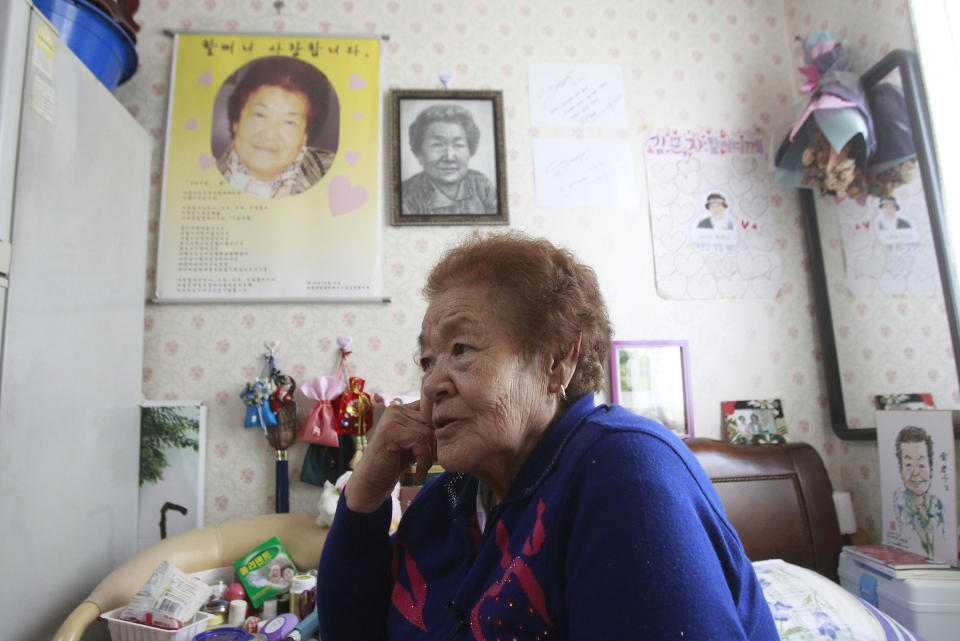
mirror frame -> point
(915, 96)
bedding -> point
(807, 606)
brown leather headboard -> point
(779, 499)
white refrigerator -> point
(74, 195)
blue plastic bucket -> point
(94, 37)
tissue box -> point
(928, 607)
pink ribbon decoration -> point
(812, 74)
(318, 427)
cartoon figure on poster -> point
(918, 482)
(718, 227)
(276, 111)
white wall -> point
(685, 62)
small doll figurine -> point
(284, 433)
(257, 396)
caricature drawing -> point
(917, 512)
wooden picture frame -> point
(454, 173)
(652, 379)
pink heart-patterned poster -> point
(271, 173)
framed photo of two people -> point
(448, 158)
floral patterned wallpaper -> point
(695, 63)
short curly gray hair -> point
(443, 113)
(543, 293)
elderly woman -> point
(443, 138)
(275, 111)
(555, 518)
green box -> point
(266, 571)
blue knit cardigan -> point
(611, 531)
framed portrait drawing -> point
(918, 482)
(448, 158)
(652, 379)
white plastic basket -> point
(121, 630)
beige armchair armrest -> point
(201, 549)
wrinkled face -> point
(914, 467)
(445, 153)
(273, 575)
(271, 130)
(488, 406)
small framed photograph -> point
(754, 422)
(652, 379)
(448, 158)
(904, 401)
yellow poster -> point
(271, 171)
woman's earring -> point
(563, 394)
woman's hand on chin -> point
(401, 437)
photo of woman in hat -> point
(718, 227)
(891, 226)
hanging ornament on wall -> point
(271, 406)
(828, 146)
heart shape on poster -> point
(345, 197)
(356, 82)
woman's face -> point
(445, 153)
(271, 130)
(717, 209)
(488, 406)
(914, 469)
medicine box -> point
(928, 607)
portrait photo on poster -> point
(754, 422)
(717, 224)
(276, 127)
(448, 158)
(918, 497)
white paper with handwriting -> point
(584, 172)
(717, 219)
(576, 95)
